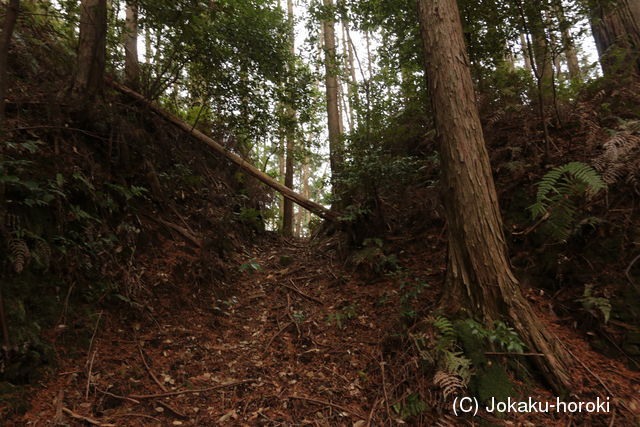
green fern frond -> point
(445, 326)
(556, 195)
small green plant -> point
(251, 217)
(447, 352)
(231, 301)
(501, 334)
(591, 303)
(251, 267)
(411, 406)
(373, 257)
(352, 213)
(127, 192)
(557, 194)
(299, 316)
(410, 291)
(339, 317)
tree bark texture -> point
(479, 275)
(525, 52)
(89, 79)
(616, 31)
(287, 218)
(333, 112)
(131, 64)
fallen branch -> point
(178, 392)
(311, 206)
(85, 419)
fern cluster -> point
(452, 360)
(557, 194)
(620, 160)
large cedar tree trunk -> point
(616, 31)
(479, 275)
(333, 113)
(131, 64)
(89, 80)
(11, 16)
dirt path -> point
(297, 340)
(295, 343)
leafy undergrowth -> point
(300, 339)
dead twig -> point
(384, 389)
(171, 409)
(181, 230)
(533, 227)
(276, 335)
(86, 393)
(93, 336)
(299, 292)
(85, 419)
(178, 392)
(373, 410)
(115, 396)
(327, 403)
(151, 374)
(57, 419)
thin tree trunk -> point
(525, 52)
(306, 174)
(556, 59)
(351, 80)
(92, 52)
(616, 31)
(147, 45)
(11, 16)
(543, 57)
(281, 172)
(354, 100)
(538, 74)
(131, 65)
(287, 220)
(568, 44)
(333, 112)
(479, 275)
(369, 58)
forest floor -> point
(295, 342)
(300, 340)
